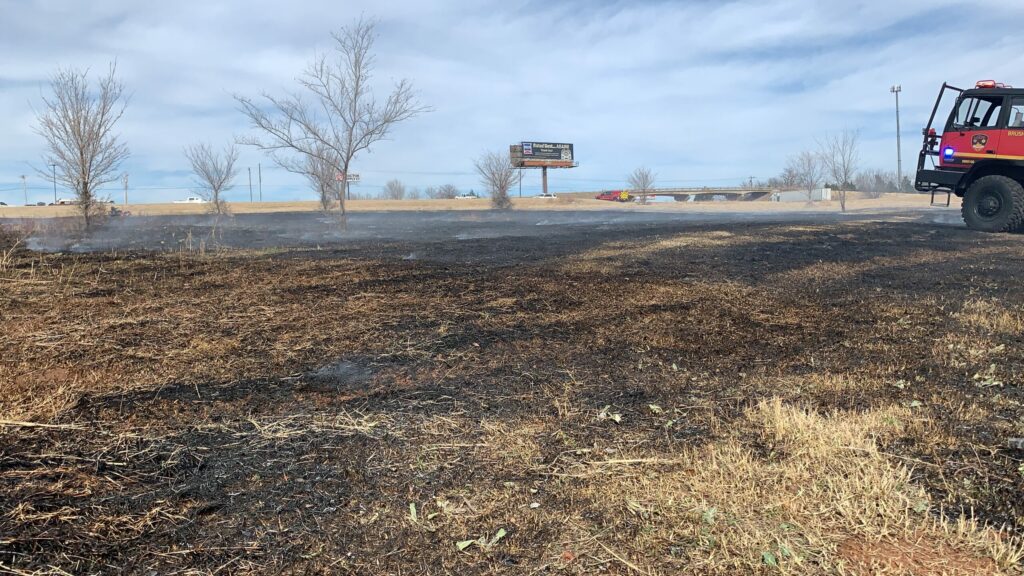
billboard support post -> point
(544, 179)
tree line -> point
(835, 164)
(317, 131)
(320, 129)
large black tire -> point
(994, 204)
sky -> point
(703, 92)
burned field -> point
(649, 400)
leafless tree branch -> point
(78, 126)
(214, 172)
(641, 182)
(498, 175)
(445, 192)
(394, 190)
(341, 117)
(841, 155)
(807, 169)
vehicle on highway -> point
(980, 155)
(548, 196)
(3, 203)
(467, 196)
(66, 202)
(190, 200)
(615, 196)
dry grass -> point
(817, 496)
(830, 271)
(992, 316)
(817, 490)
(701, 404)
(582, 201)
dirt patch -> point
(910, 557)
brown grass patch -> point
(904, 556)
(992, 316)
(817, 484)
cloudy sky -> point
(705, 92)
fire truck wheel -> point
(994, 204)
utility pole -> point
(250, 185)
(124, 179)
(54, 166)
(24, 188)
(896, 89)
(259, 173)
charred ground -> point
(546, 403)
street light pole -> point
(24, 188)
(896, 89)
(54, 166)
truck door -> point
(1012, 142)
(973, 132)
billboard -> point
(540, 154)
(547, 151)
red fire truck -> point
(979, 156)
(614, 196)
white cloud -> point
(703, 91)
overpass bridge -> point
(706, 194)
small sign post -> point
(352, 177)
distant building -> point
(819, 195)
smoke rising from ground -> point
(311, 229)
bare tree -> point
(214, 172)
(875, 183)
(394, 190)
(413, 194)
(78, 126)
(641, 182)
(446, 192)
(341, 118)
(498, 175)
(790, 177)
(321, 171)
(807, 170)
(841, 153)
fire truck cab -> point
(979, 155)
